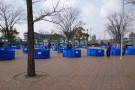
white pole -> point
(90, 33)
(104, 34)
(122, 27)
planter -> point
(130, 50)
(95, 52)
(7, 54)
(41, 53)
(72, 53)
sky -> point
(93, 13)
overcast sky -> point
(93, 13)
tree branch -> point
(48, 13)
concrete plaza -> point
(84, 73)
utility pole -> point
(90, 33)
(87, 36)
(122, 28)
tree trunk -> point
(68, 39)
(31, 62)
(6, 34)
(79, 41)
(87, 42)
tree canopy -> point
(11, 34)
(9, 16)
(114, 24)
(67, 20)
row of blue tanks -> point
(40, 51)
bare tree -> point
(67, 20)
(130, 1)
(43, 14)
(38, 16)
(9, 16)
(31, 61)
(114, 23)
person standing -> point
(108, 49)
(69, 45)
(59, 47)
(1, 44)
(49, 45)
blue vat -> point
(95, 52)
(84, 46)
(41, 53)
(77, 53)
(15, 47)
(54, 48)
(25, 50)
(130, 50)
(103, 47)
(75, 47)
(39, 46)
(7, 48)
(72, 53)
(7, 54)
(45, 47)
(116, 51)
(64, 47)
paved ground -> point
(85, 73)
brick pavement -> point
(85, 73)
